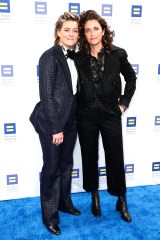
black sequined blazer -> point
(50, 115)
(115, 63)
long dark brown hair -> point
(67, 16)
(108, 36)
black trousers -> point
(110, 127)
(55, 183)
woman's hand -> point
(122, 108)
(57, 138)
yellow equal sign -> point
(7, 70)
(102, 171)
(74, 173)
(156, 166)
(10, 128)
(74, 9)
(40, 8)
(3, 6)
(12, 179)
(129, 168)
(135, 68)
(131, 121)
(136, 11)
(158, 120)
(107, 10)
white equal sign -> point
(7, 70)
(3, 6)
(41, 7)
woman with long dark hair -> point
(101, 105)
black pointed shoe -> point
(95, 208)
(121, 206)
(54, 229)
(74, 211)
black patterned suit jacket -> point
(115, 64)
(50, 115)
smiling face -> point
(68, 34)
(93, 33)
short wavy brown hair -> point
(108, 36)
(67, 16)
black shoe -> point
(95, 208)
(74, 211)
(54, 229)
(121, 206)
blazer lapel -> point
(63, 62)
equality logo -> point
(157, 121)
(37, 72)
(129, 168)
(136, 11)
(74, 8)
(136, 15)
(102, 171)
(9, 128)
(10, 132)
(4, 6)
(7, 75)
(107, 10)
(41, 8)
(155, 166)
(131, 121)
(7, 70)
(156, 171)
(75, 178)
(102, 177)
(157, 124)
(131, 126)
(75, 173)
(12, 179)
(136, 68)
(158, 71)
(129, 171)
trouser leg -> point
(88, 138)
(66, 164)
(111, 131)
(50, 183)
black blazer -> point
(50, 115)
(115, 64)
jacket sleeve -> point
(47, 81)
(130, 79)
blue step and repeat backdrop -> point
(26, 31)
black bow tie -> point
(70, 54)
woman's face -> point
(93, 32)
(68, 34)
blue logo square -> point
(158, 69)
(102, 171)
(12, 179)
(9, 128)
(7, 70)
(157, 121)
(136, 11)
(74, 8)
(155, 166)
(37, 70)
(41, 8)
(5, 6)
(75, 173)
(129, 168)
(131, 121)
(136, 68)
(107, 10)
